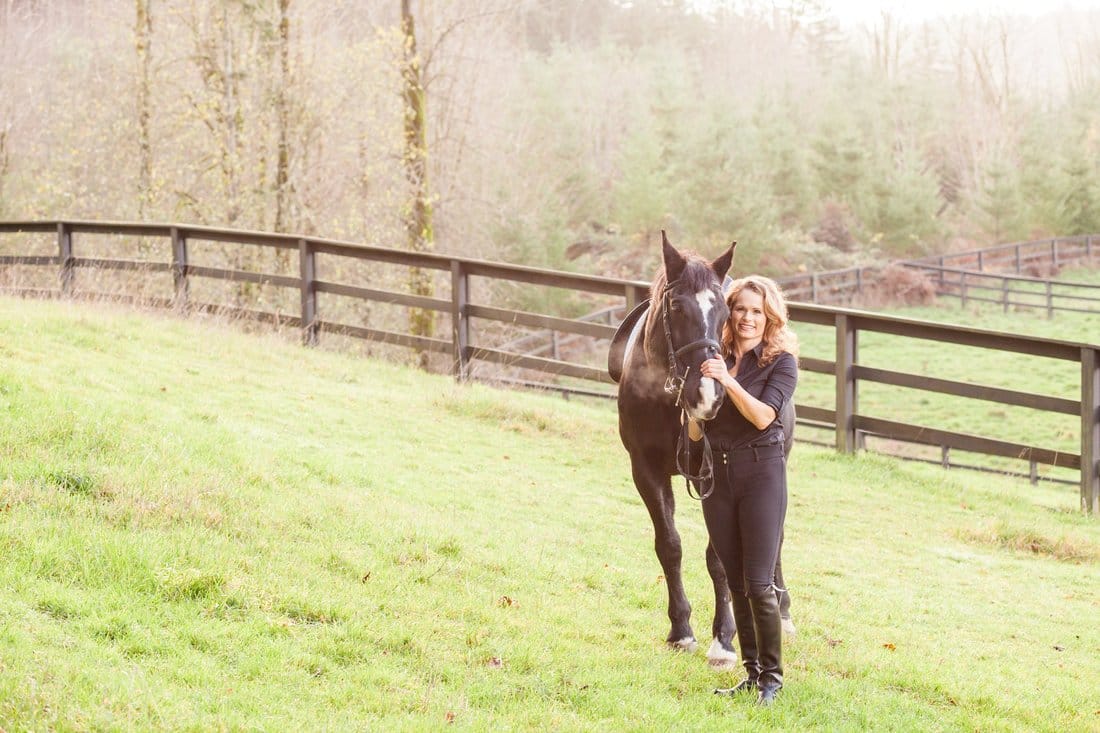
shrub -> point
(900, 285)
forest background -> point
(557, 133)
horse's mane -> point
(697, 276)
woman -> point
(744, 513)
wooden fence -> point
(1032, 257)
(1009, 275)
(845, 420)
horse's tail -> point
(624, 338)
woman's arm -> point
(761, 414)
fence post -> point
(460, 321)
(1018, 265)
(65, 255)
(1090, 430)
(962, 288)
(307, 269)
(981, 262)
(1054, 254)
(813, 287)
(1004, 292)
(179, 269)
(1050, 299)
(845, 384)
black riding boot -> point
(769, 641)
(746, 637)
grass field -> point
(207, 530)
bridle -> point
(674, 384)
(674, 387)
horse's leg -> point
(721, 654)
(656, 491)
(782, 594)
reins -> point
(674, 386)
(705, 478)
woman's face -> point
(747, 315)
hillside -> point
(205, 529)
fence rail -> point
(849, 425)
(1020, 257)
(1016, 291)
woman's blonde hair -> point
(777, 336)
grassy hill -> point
(203, 529)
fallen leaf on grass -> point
(833, 642)
(450, 717)
(889, 646)
(505, 601)
(495, 663)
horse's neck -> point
(648, 357)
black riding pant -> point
(744, 515)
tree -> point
(1081, 198)
(143, 39)
(417, 210)
(1001, 204)
(282, 117)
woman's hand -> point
(716, 369)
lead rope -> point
(706, 467)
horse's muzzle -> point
(705, 400)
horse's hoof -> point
(788, 627)
(721, 659)
(687, 644)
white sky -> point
(861, 11)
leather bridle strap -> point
(674, 384)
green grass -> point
(207, 530)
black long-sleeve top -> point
(773, 385)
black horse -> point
(655, 358)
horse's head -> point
(691, 310)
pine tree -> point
(1000, 205)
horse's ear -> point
(674, 261)
(722, 265)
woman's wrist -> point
(695, 431)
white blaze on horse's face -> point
(709, 398)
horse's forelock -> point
(697, 276)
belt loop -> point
(755, 454)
